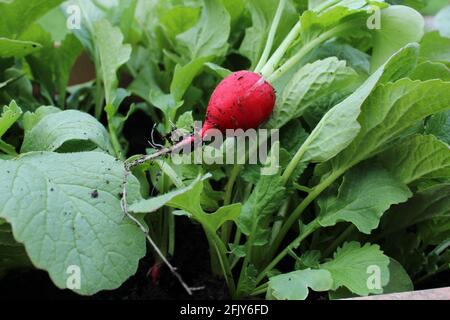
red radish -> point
(243, 100)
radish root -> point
(124, 204)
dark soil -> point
(191, 258)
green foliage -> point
(366, 192)
(359, 201)
(66, 219)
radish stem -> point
(271, 37)
(274, 61)
(307, 48)
(309, 229)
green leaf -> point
(313, 82)
(428, 70)
(30, 119)
(9, 116)
(262, 14)
(352, 267)
(316, 22)
(112, 53)
(425, 205)
(435, 230)
(401, 104)
(224, 214)
(187, 199)
(56, 129)
(178, 196)
(18, 15)
(178, 20)
(127, 11)
(340, 126)
(263, 201)
(435, 48)
(52, 65)
(356, 59)
(442, 22)
(17, 48)
(90, 15)
(366, 192)
(235, 8)
(400, 25)
(220, 71)
(399, 280)
(65, 209)
(65, 58)
(439, 125)
(21, 89)
(185, 122)
(210, 35)
(418, 157)
(294, 285)
(166, 103)
(184, 75)
(55, 22)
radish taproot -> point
(243, 100)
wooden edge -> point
(432, 294)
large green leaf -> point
(353, 265)
(210, 35)
(58, 128)
(112, 53)
(366, 192)
(65, 209)
(294, 285)
(312, 83)
(418, 157)
(18, 15)
(400, 25)
(391, 109)
(428, 204)
(17, 48)
(339, 126)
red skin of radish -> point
(243, 100)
